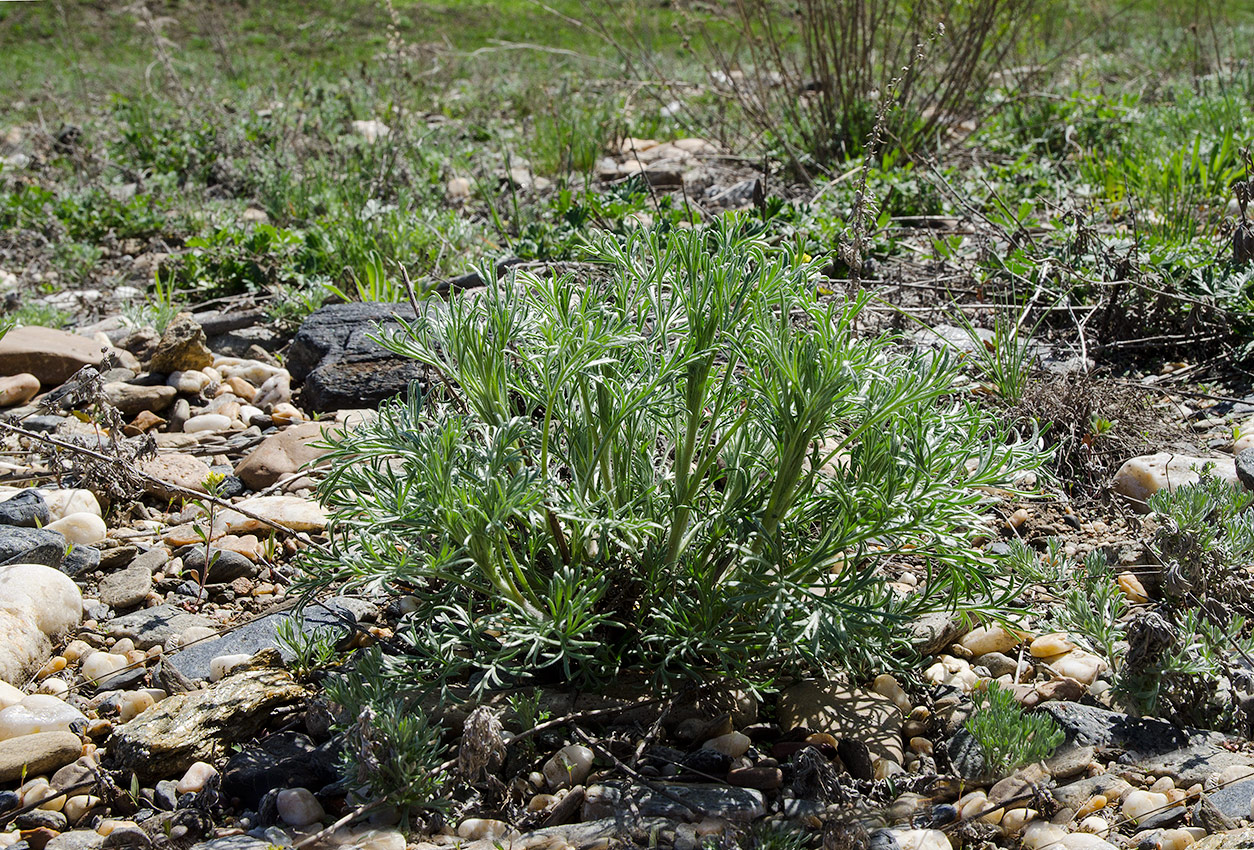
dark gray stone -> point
(966, 757)
(1155, 746)
(154, 626)
(26, 510)
(1245, 468)
(226, 565)
(262, 633)
(340, 365)
(288, 759)
(165, 795)
(38, 818)
(31, 546)
(80, 559)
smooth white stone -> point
(62, 503)
(38, 713)
(984, 639)
(54, 686)
(47, 597)
(196, 777)
(133, 704)
(81, 529)
(224, 664)
(253, 371)
(247, 412)
(299, 807)
(921, 839)
(9, 695)
(1085, 841)
(1138, 805)
(206, 422)
(1082, 666)
(190, 382)
(474, 829)
(569, 766)
(1042, 835)
(99, 665)
(1142, 477)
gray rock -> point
(998, 664)
(40, 752)
(154, 626)
(340, 366)
(718, 801)
(166, 739)
(127, 588)
(41, 818)
(132, 399)
(966, 757)
(126, 836)
(285, 760)
(80, 559)
(76, 839)
(262, 633)
(933, 632)
(1245, 468)
(1073, 795)
(31, 546)
(226, 565)
(27, 510)
(1069, 762)
(1155, 746)
(1234, 800)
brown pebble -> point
(761, 778)
(39, 838)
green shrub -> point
(1008, 736)
(687, 465)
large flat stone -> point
(42, 752)
(200, 726)
(50, 355)
(154, 626)
(260, 634)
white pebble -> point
(223, 664)
(133, 704)
(247, 412)
(81, 529)
(921, 839)
(196, 777)
(9, 695)
(1138, 805)
(474, 829)
(569, 766)
(985, 639)
(1039, 835)
(38, 789)
(79, 805)
(1082, 666)
(734, 744)
(38, 713)
(62, 503)
(1084, 841)
(54, 686)
(206, 422)
(99, 665)
(190, 382)
(1095, 824)
(299, 807)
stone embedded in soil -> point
(31, 546)
(290, 512)
(181, 348)
(126, 588)
(282, 454)
(1154, 746)
(194, 661)
(133, 399)
(52, 356)
(1142, 477)
(340, 366)
(18, 389)
(27, 509)
(168, 738)
(842, 711)
(154, 626)
(42, 752)
(182, 470)
(225, 565)
(569, 766)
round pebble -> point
(206, 422)
(196, 777)
(734, 744)
(298, 807)
(81, 529)
(569, 766)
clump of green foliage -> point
(689, 465)
(1009, 736)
